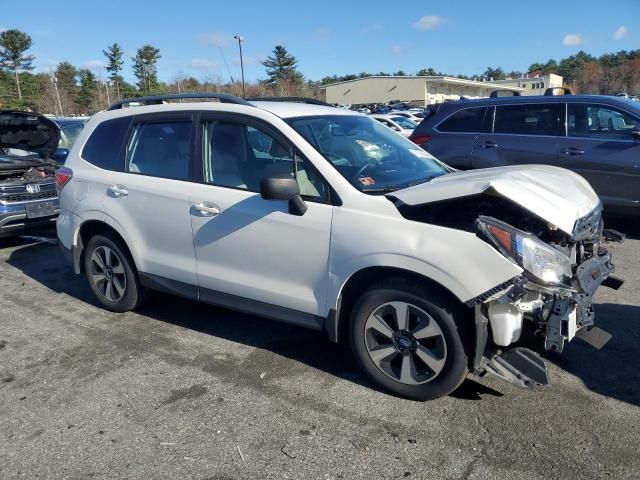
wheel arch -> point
(88, 229)
(364, 278)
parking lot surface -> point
(184, 390)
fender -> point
(93, 215)
(402, 262)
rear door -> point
(456, 136)
(149, 196)
(600, 147)
(522, 134)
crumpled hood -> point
(28, 131)
(555, 194)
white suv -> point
(325, 218)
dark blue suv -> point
(596, 136)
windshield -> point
(69, 131)
(372, 157)
(404, 122)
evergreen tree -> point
(114, 55)
(13, 45)
(495, 73)
(144, 68)
(65, 76)
(282, 67)
(87, 93)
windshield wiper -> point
(387, 189)
(393, 188)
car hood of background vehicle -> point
(554, 194)
(28, 131)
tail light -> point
(63, 175)
(420, 139)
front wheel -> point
(408, 339)
(111, 274)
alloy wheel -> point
(108, 274)
(405, 343)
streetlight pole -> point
(240, 40)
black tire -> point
(447, 314)
(132, 294)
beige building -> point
(428, 90)
(532, 85)
(418, 90)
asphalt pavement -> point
(184, 390)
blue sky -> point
(328, 37)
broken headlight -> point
(540, 259)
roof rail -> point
(558, 91)
(310, 101)
(159, 99)
(496, 93)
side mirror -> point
(60, 155)
(283, 187)
(397, 129)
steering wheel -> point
(362, 169)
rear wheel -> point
(111, 274)
(407, 339)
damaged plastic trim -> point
(496, 291)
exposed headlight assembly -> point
(540, 259)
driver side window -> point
(599, 121)
(237, 155)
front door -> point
(252, 253)
(600, 147)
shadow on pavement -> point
(629, 226)
(612, 372)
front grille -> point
(27, 197)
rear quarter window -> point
(104, 147)
(468, 120)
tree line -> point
(69, 90)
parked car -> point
(70, 128)
(28, 197)
(428, 274)
(397, 123)
(595, 136)
(415, 116)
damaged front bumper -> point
(554, 315)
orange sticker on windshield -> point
(367, 181)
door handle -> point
(206, 209)
(117, 191)
(488, 144)
(571, 151)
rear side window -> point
(469, 120)
(104, 145)
(528, 119)
(160, 149)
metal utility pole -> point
(240, 40)
(54, 80)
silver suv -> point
(325, 218)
